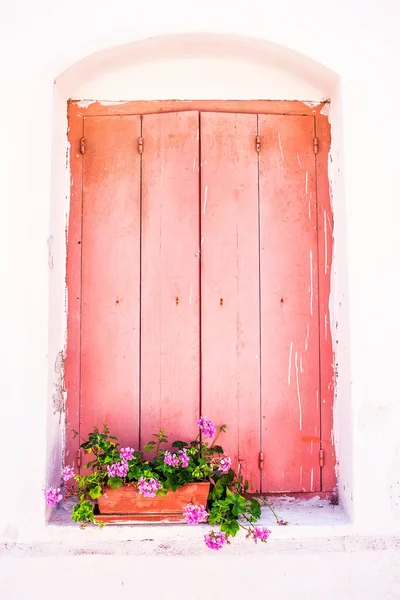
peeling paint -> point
(85, 103)
(50, 241)
(59, 392)
(280, 147)
(325, 109)
(205, 199)
(311, 284)
(298, 394)
(311, 104)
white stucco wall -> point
(348, 51)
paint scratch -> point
(280, 147)
(312, 480)
(298, 392)
(307, 336)
(205, 199)
(194, 164)
(301, 364)
(311, 284)
(326, 245)
(306, 182)
(298, 160)
(290, 361)
(329, 223)
(202, 240)
(190, 294)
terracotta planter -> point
(126, 504)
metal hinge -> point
(82, 146)
(258, 144)
(140, 145)
(321, 458)
(261, 460)
(315, 145)
(79, 458)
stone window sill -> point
(311, 523)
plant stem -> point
(273, 512)
(216, 437)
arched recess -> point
(186, 67)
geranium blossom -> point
(174, 460)
(118, 469)
(126, 453)
(258, 533)
(52, 496)
(184, 458)
(215, 541)
(194, 513)
(207, 427)
(225, 464)
(171, 459)
(148, 487)
(67, 473)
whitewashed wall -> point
(348, 51)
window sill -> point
(315, 525)
(308, 521)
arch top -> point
(223, 48)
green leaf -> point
(149, 447)
(239, 504)
(230, 527)
(115, 482)
(178, 444)
(255, 509)
(95, 492)
(218, 449)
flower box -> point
(192, 482)
(127, 504)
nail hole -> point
(177, 301)
(282, 300)
(117, 301)
(221, 302)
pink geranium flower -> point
(215, 541)
(207, 427)
(52, 496)
(67, 473)
(194, 513)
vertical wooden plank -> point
(73, 275)
(170, 276)
(325, 240)
(289, 305)
(111, 277)
(230, 285)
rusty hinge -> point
(321, 458)
(315, 145)
(79, 458)
(140, 145)
(82, 146)
(258, 144)
(261, 460)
